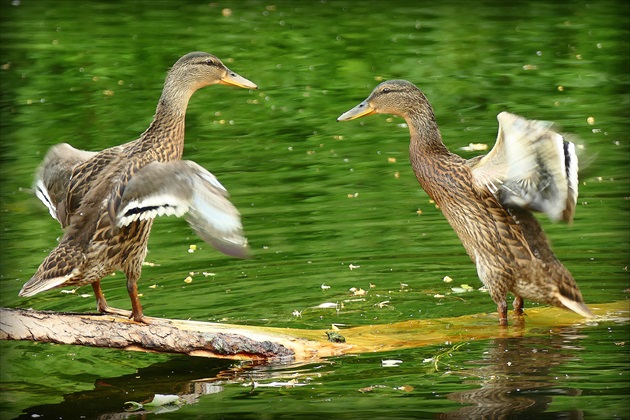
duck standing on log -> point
(106, 201)
(487, 199)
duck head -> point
(200, 69)
(396, 97)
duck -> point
(489, 200)
(106, 201)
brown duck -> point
(488, 199)
(106, 201)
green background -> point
(317, 196)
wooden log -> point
(161, 335)
(281, 344)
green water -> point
(318, 197)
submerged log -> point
(280, 344)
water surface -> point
(323, 203)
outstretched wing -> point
(183, 188)
(530, 166)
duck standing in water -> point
(487, 199)
(106, 201)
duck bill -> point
(233, 79)
(358, 111)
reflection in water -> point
(517, 378)
(175, 376)
(188, 378)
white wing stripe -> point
(42, 193)
(151, 207)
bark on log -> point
(161, 335)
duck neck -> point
(425, 135)
(165, 135)
(175, 97)
(428, 155)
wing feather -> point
(54, 176)
(183, 188)
(531, 167)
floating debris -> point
(324, 287)
(352, 266)
(188, 279)
(335, 337)
(69, 291)
(327, 305)
(192, 248)
(436, 359)
(150, 264)
(474, 147)
(358, 292)
(275, 384)
(462, 289)
(447, 279)
(391, 363)
(372, 388)
(353, 300)
(159, 400)
(297, 313)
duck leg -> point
(502, 309)
(136, 312)
(101, 303)
(132, 270)
(518, 306)
(498, 292)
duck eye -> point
(210, 62)
(386, 90)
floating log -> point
(278, 344)
(161, 335)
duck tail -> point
(62, 264)
(571, 298)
